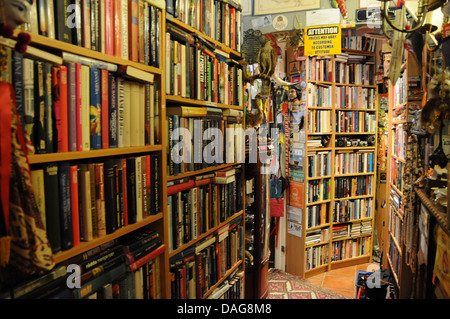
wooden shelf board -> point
(201, 171)
(183, 100)
(85, 246)
(75, 156)
(200, 237)
(46, 43)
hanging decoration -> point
(23, 240)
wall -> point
(352, 5)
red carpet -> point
(286, 286)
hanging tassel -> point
(5, 249)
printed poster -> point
(296, 194)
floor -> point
(342, 280)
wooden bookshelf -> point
(307, 260)
(176, 100)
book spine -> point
(53, 225)
(72, 106)
(29, 106)
(113, 112)
(133, 30)
(109, 27)
(75, 209)
(65, 206)
(85, 108)
(95, 109)
(105, 115)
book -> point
(105, 106)
(75, 205)
(29, 104)
(133, 30)
(110, 189)
(86, 227)
(52, 207)
(153, 254)
(72, 113)
(65, 205)
(70, 57)
(85, 108)
(62, 30)
(95, 119)
(135, 74)
(113, 112)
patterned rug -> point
(286, 286)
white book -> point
(141, 136)
(127, 114)
(51, 19)
(124, 29)
(135, 114)
(85, 208)
(85, 106)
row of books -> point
(82, 201)
(356, 122)
(399, 141)
(347, 210)
(122, 28)
(400, 94)
(317, 215)
(202, 203)
(353, 229)
(199, 71)
(319, 121)
(319, 164)
(355, 97)
(396, 177)
(358, 42)
(354, 186)
(195, 270)
(316, 236)
(217, 19)
(230, 289)
(354, 163)
(395, 258)
(318, 190)
(397, 201)
(125, 268)
(200, 137)
(358, 72)
(76, 107)
(316, 256)
(319, 96)
(351, 248)
(395, 225)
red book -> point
(109, 27)
(117, 29)
(203, 182)
(78, 107)
(105, 108)
(148, 181)
(180, 187)
(139, 263)
(75, 204)
(133, 30)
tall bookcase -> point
(333, 226)
(204, 91)
(145, 62)
(401, 174)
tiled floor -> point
(342, 280)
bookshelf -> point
(336, 176)
(204, 196)
(142, 60)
